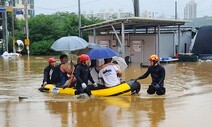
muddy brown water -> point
(187, 102)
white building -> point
(108, 15)
(18, 7)
(190, 11)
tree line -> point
(45, 29)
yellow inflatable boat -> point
(127, 88)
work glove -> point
(95, 85)
(84, 85)
(43, 84)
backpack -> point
(56, 74)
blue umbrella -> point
(101, 53)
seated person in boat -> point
(118, 74)
(94, 71)
(47, 73)
(109, 73)
(82, 74)
(66, 74)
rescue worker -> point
(158, 75)
(82, 74)
(47, 73)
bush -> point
(42, 48)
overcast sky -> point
(159, 7)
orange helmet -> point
(51, 60)
(153, 58)
(84, 57)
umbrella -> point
(19, 45)
(121, 62)
(101, 53)
(87, 49)
(69, 43)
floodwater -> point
(187, 102)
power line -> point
(59, 9)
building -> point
(137, 38)
(22, 9)
(190, 11)
(108, 15)
(19, 7)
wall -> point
(147, 47)
(166, 45)
(139, 46)
(185, 38)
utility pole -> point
(27, 42)
(136, 8)
(4, 25)
(13, 25)
(176, 10)
(79, 19)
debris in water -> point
(21, 98)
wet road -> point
(187, 102)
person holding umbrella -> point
(158, 75)
(65, 73)
(82, 74)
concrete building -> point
(190, 11)
(18, 6)
(108, 15)
(138, 37)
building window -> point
(31, 13)
(31, 2)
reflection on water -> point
(109, 112)
(189, 93)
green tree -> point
(45, 29)
(42, 47)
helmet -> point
(51, 60)
(153, 58)
(84, 57)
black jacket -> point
(82, 74)
(157, 73)
(46, 75)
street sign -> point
(9, 9)
(2, 10)
(26, 41)
(19, 12)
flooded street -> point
(187, 102)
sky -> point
(158, 7)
